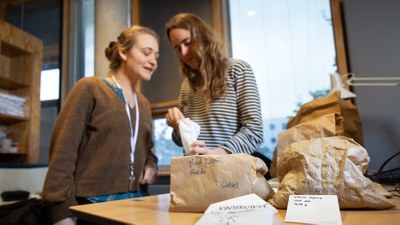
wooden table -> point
(153, 210)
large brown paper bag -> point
(332, 103)
(200, 180)
(323, 126)
(327, 166)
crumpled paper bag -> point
(332, 103)
(323, 126)
(189, 131)
(200, 180)
(327, 166)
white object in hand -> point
(189, 132)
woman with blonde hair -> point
(101, 145)
(218, 93)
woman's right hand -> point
(173, 117)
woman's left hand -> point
(200, 147)
(149, 176)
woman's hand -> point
(200, 147)
(173, 117)
(149, 176)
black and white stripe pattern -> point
(233, 122)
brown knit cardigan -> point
(90, 146)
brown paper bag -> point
(198, 181)
(323, 126)
(332, 104)
(327, 166)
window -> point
(163, 143)
(290, 46)
(88, 36)
(50, 84)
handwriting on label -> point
(240, 207)
(197, 172)
(230, 185)
(201, 166)
(304, 200)
(198, 162)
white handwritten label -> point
(247, 209)
(313, 209)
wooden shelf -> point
(12, 51)
(7, 84)
(9, 119)
(20, 68)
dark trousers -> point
(83, 201)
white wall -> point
(29, 179)
(373, 46)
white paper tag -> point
(313, 209)
(247, 209)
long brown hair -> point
(210, 60)
(126, 40)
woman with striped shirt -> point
(218, 93)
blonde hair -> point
(210, 60)
(126, 40)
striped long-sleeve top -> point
(232, 122)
